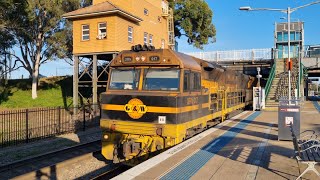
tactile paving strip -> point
(194, 163)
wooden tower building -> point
(105, 28)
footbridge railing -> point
(235, 55)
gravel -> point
(23, 151)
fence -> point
(27, 125)
(235, 55)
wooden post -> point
(95, 83)
(27, 125)
(75, 84)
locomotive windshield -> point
(161, 79)
(124, 79)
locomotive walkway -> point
(244, 147)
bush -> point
(5, 91)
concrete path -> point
(245, 148)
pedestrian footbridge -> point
(244, 61)
(273, 69)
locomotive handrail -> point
(270, 79)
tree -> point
(6, 41)
(193, 19)
(2, 9)
(37, 27)
(63, 43)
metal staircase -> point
(167, 12)
(171, 28)
(279, 82)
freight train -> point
(157, 98)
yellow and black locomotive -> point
(157, 99)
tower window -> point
(85, 32)
(102, 30)
(130, 34)
(150, 39)
(145, 38)
(146, 12)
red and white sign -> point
(290, 110)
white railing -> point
(311, 51)
(235, 55)
(165, 8)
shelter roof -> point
(103, 8)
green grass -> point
(46, 98)
(51, 93)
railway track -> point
(118, 169)
(53, 165)
(33, 164)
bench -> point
(307, 151)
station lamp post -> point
(288, 11)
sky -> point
(236, 29)
(255, 29)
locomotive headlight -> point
(137, 58)
(143, 58)
(105, 137)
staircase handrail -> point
(270, 79)
(302, 72)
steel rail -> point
(23, 162)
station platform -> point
(244, 147)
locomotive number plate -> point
(127, 59)
(154, 58)
(162, 119)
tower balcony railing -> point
(165, 8)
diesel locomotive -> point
(156, 99)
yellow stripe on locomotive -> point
(156, 99)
